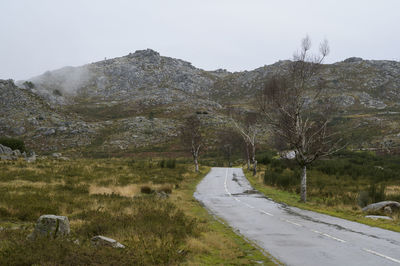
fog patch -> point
(67, 80)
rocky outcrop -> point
(6, 153)
(51, 226)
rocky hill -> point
(139, 99)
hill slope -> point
(139, 100)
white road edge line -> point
(381, 255)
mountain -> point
(139, 100)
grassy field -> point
(105, 197)
(338, 186)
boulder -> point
(5, 150)
(50, 225)
(102, 241)
(380, 206)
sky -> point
(237, 35)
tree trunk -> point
(303, 193)
(248, 157)
(253, 155)
(254, 167)
(196, 164)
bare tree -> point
(297, 111)
(228, 142)
(248, 127)
(192, 137)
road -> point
(292, 235)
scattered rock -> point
(31, 158)
(19, 130)
(162, 195)
(376, 217)
(56, 155)
(380, 206)
(50, 225)
(101, 241)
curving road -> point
(292, 235)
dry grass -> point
(392, 190)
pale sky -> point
(40, 35)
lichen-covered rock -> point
(101, 241)
(50, 226)
(380, 206)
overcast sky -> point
(40, 35)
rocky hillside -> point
(139, 99)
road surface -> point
(292, 235)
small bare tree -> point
(192, 137)
(297, 111)
(248, 127)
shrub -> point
(15, 144)
(146, 190)
(171, 163)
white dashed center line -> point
(267, 213)
(335, 238)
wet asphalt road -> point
(292, 235)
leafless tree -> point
(298, 112)
(192, 137)
(228, 142)
(248, 127)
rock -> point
(50, 225)
(4, 157)
(162, 195)
(105, 241)
(290, 155)
(16, 153)
(19, 130)
(353, 60)
(50, 131)
(388, 210)
(56, 155)
(380, 206)
(376, 217)
(31, 158)
(5, 150)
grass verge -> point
(293, 199)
